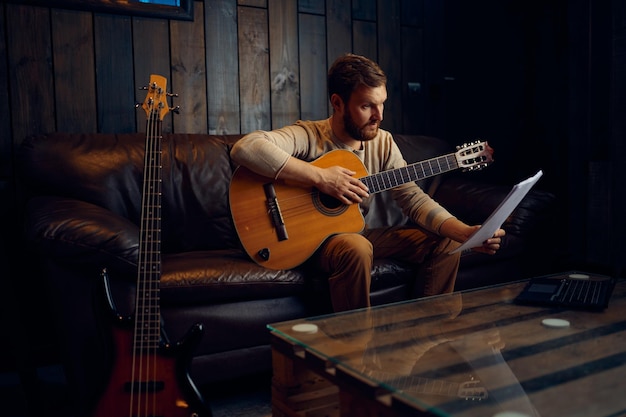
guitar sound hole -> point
(328, 205)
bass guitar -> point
(281, 225)
(149, 377)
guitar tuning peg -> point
(175, 109)
(172, 94)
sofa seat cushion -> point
(202, 277)
(387, 273)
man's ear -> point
(337, 103)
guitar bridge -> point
(273, 209)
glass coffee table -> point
(473, 353)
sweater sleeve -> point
(265, 153)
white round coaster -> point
(510, 414)
(305, 328)
(555, 323)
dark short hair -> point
(351, 71)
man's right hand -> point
(340, 183)
(335, 181)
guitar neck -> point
(148, 315)
(414, 172)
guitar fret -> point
(150, 312)
(386, 177)
(395, 179)
(433, 168)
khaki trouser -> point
(348, 258)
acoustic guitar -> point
(149, 377)
(280, 225)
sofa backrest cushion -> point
(107, 170)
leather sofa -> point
(82, 215)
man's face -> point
(364, 112)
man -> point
(357, 92)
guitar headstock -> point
(474, 155)
(155, 104)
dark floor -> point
(19, 396)
(249, 398)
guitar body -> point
(308, 216)
(162, 385)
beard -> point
(359, 132)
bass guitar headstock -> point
(155, 104)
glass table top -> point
(476, 353)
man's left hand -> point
(491, 245)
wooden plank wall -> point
(238, 66)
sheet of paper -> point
(499, 215)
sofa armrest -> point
(78, 232)
(473, 202)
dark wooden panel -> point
(365, 39)
(413, 13)
(6, 162)
(389, 47)
(222, 66)
(74, 72)
(412, 81)
(283, 22)
(313, 67)
(152, 56)
(311, 6)
(434, 51)
(365, 9)
(253, 3)
(30, 73)
(254, 90)
(114, 73)
(189, 73)
(618, 107)
(339, 28)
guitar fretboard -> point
(413, 172)
(148, 314)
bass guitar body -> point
(149, 383)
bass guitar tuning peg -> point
(175, 109)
